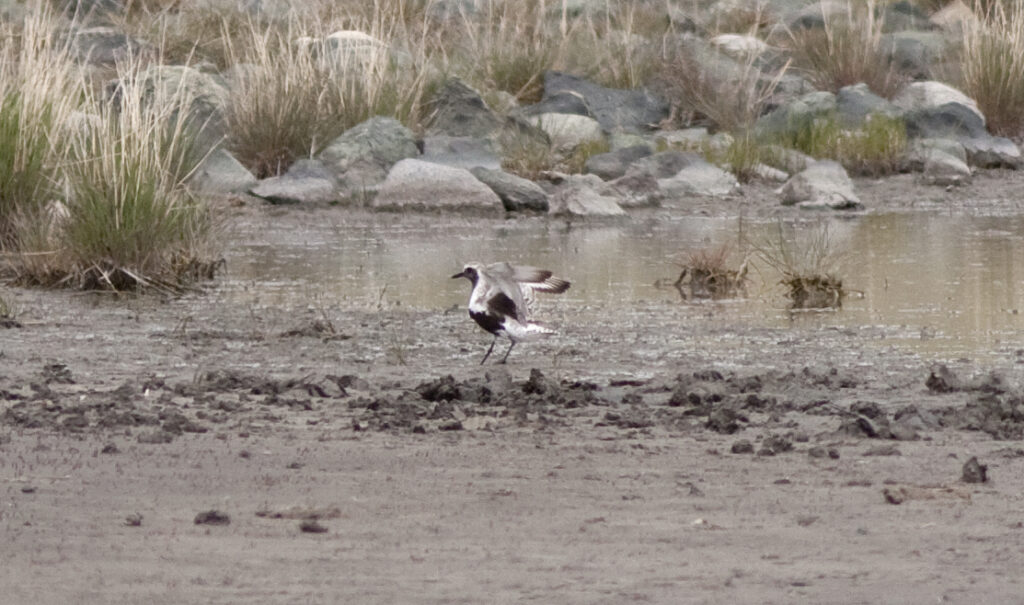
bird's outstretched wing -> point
(521, 282)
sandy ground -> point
(663, 459)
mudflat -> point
(183, 449)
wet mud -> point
(193, 449)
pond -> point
(951, 286)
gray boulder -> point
(992, 152)
(666, 164)
(920, 149)
(568, 131)
(931, 94)
(459, 152)
(614, 164)
(220, 173)
(951, 120)
(460, 111)
(103, 45)
(635, 189)
(583, 196)
(797, 114)
(699, 178)
(417, 185)
(561, 102)
(614, 109)
(914, 53)
(306, 182)
(361, 157)
(823, 185)
(516, 193)
(944, 169)
(855, 103)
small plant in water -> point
(807, 263)
(711, 273)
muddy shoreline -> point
(644, 456)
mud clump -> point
(973, 471)
(212, 517)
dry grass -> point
(731, 95)
(300, 89)
(876, 148)
(992, 66)
(510, 45)
(848, 50)
(714, 272)
(807, 262)
(39, 90)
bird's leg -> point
(489, 350)
(505, 358)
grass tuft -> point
(992, 65)
(808, 264)
(875, 148)
(712, 273)
(849, 49)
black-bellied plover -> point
(502, 299)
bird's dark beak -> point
(458, 275)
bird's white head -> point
(470, 272)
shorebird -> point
(503, 297)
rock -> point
(930, 94)
(105, 46)
(212, 517)
(723, 420)
(944, 170)
(954, 17)
(635, 189)
(614, 164)
(992, 152)
(418, 185)
(796, 115)
(942, 162)
(459, 152)
(942, 380)
(561, 102)
(615, 109)
(221, 173)
(888, 449)
(914, 53)
(460, 111)
(306, 182)
(952, 121)
(579, 196)
(700, 178)
(823, 184)
(348, 49)
(568, 131)
(516, 193)
(739, 46)
(743, 446)
(667, 164)
(919, 149)
(973, 471)
(687, 139)
(901, 16)
(360, 158)
(788, 159)
(855, 103)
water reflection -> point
(954, 283)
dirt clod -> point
(973, 471)
(212, 517)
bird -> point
(503, 297)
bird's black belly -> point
(487, 321)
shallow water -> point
(945, 286)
